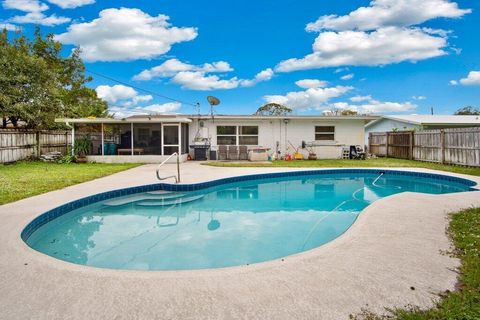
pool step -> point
(165, 192)
(168, 202)
(142, 197)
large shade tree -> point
(38, 85)
(273, 109)
(469, 110)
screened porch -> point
(146, 139)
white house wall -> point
(347, 132)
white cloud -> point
(163, 108)
(41, 19)
(311, 98)
(359, 48)
(199, 77)
(9, 27)
(70, 4)
(472, 79)
(125, 101)
(123, 112)
(311, 83)
(197, 80)
(347, 76)
(125, 96)
(373, 106)
(25, 5)
(338, 70)
(125, 34)
(173, 66)
(381, 13)
(380, 34)
(264, 75)
(200, 80)
(419, 98)
(360, 98)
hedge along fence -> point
(19, 144)
(450, 146)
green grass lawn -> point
(26, 179)
(340, 163)
(463, 304)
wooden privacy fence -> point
(452, 146)
(18, 144)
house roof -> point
(188, 118)
(432, 119)
(291, 117)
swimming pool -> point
(228, 222)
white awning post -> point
(73, 139)
(179, 138)
(103, 147)
(131, 135)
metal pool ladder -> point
(177, 176)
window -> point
(324, 133)
(244, 135)
(248, 135)
(226, 135)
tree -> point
(38, 85)
(348, 112)
(469, 110)
(340, 112)
(273, 109)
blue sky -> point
(383, 56)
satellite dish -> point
(213, 101)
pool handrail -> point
(177, 176)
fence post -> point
(39, 147)
(442, 146)
(410, 156)
(386, 145)
(66, 141)
(369, 142)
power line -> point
(140, 89)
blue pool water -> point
(226, 225)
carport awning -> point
(145, 119)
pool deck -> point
(391, 256)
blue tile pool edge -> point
(70, 206)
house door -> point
(171, 139)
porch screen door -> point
(171, 139)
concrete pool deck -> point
(395, 245)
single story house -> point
(150, 139)
(419, 122)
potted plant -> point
(82, 148)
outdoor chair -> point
(357, 153)
(222, 152)
(232, 153)
(243, 153)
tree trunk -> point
(4, 122)
(14, 121)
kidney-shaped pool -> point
(228, 222)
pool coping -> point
(296, 257)
(270, 280)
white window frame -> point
(227, 135)
(325, 133)
(238, 134)
(179, 136)
(247, 135)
